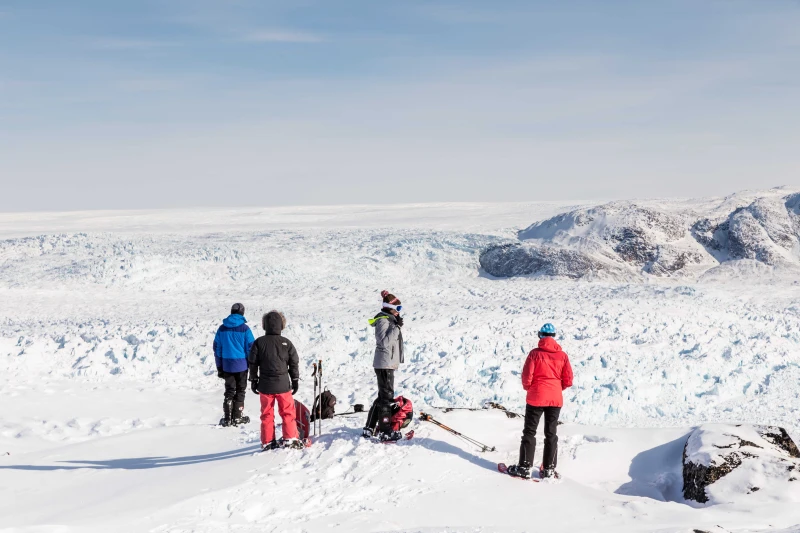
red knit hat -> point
(389, 298)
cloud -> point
(282, 36)
(131, 44)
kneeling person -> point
(274, 375)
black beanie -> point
(237, 309)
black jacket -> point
(273, 359)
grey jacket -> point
(388, 342)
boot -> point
(549, 472)
(523, 471)
(270, 446)
(292, 443)
(390, 436)
(367, 433)
(237, 417)
(225, 421)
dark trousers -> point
(528, 445)
(382, 406)
(235, 390)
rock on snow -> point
(723, 463)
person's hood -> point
(382, 316)
(233, 321)
(273, 323)
(549, 344)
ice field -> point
(110, 393)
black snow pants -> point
(235, 390)
(528, 445)
(382, 406)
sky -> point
(192, 103)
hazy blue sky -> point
(157, 103)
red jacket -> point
(546, 373)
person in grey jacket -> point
(388, 356)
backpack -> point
(328, 401)
(303, 418)
(402, 413)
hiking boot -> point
(241, 420)
(367, 433)
(237, 414)
(225, 421)
(390, 436)
(292, 443)
(270, 445)
(549, 472)
(519, 471)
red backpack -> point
(402, 413)
(303, 418)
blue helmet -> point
(548, 330)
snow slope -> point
(105, 342)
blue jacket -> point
(232, 344)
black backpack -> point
(328, 401)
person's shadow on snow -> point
(444, 447)
(137, 463)
(354, 435)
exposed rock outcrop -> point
(659, 240)
(516, 259)
(760, 455)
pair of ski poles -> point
(317, 405)
(483, 447)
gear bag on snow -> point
(303, 418)
(327, 403)
(402, 414)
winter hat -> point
(266, 318)
(548, 330)
(389, 300)
(237, 309)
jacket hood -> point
(273, 323)
(234, 320)
(382, 316)
(549, 344)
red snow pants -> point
(285, 408)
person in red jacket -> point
(546, 373)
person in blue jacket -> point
(231, 345)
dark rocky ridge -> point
(626, 237)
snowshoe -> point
(270, 446)
(390, 436)
(520, 471)
(240, 421)
(296, 444)
(548, 473)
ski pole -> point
(320, 396)
(314, 399)
(483, 447)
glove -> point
(399, 321)
(254, 386)
(295, 386)
(220, 374)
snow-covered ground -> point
(110, 393)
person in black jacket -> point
(275, 375)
